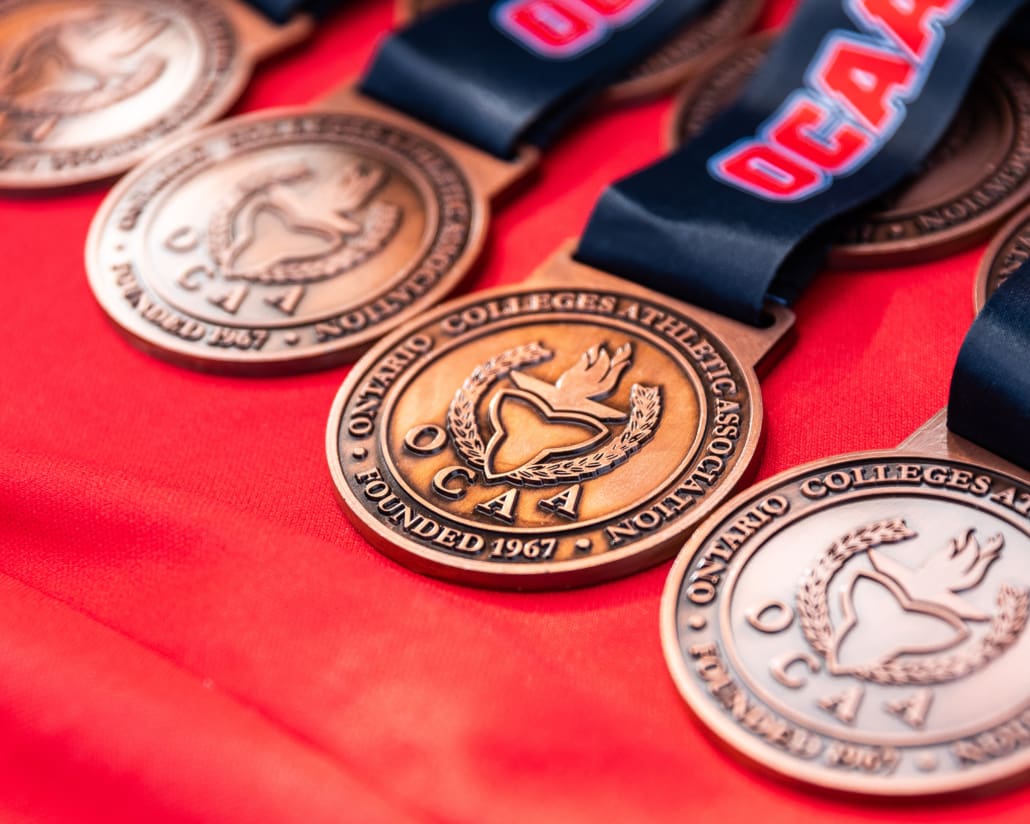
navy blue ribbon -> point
(280, 11)
(464, 71)
(678, 228)
(989, 402)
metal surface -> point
(975, 178)
(289, 240)
(558, 433)
(1009, 250)
(87, 90)
(859, 623)
(686, 53)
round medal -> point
(974, 179)
(685, 54)
(543, 436)
(283, 240)
(88, 89)
(860, 624)
(1009, 249)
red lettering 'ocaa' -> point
(833, 151)
(909, 21)
(563, 29)
(550, 24)
(865, 78)
(614, 11)
(768, 171)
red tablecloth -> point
(191, 630)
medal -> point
(576, 427)
(859, 623)
(977, 175)
(1009, 249)
(681, 56)
(289, 240)
(556, 433)
(87, 90)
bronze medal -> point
(1009, 249)
(685, 54)
(859, 623)
(975, 178)
(561, 432)
(87, 90)
(289, 240)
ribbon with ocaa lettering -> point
(989, 403)
(853, 96)
(496, 73)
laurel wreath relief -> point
(378, 226)
(814, 615)
(461, 423)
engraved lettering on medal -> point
(533, 549)
(565, 503)
(448, 482)
(912, 709)
(502, 507)
(771, 617)
(286, 301)
(780, 665)
(996, 742)
(230, 301)
(193, 278)
(425, 440)
(844, 706)
(883, 760)
(711, 669)
(705, 579)
(1016, 500)
(713, 462)
(182, 240)
(369, 396)
(237, 338)
(394, 509)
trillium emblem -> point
(542, 433)
(554, 420)
(931, 638)
(289, 227)
(78, 66)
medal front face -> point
(88, 89)
(541, 438)
(684, 54)
(975, 177)
(282, 241)
(860, 624)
